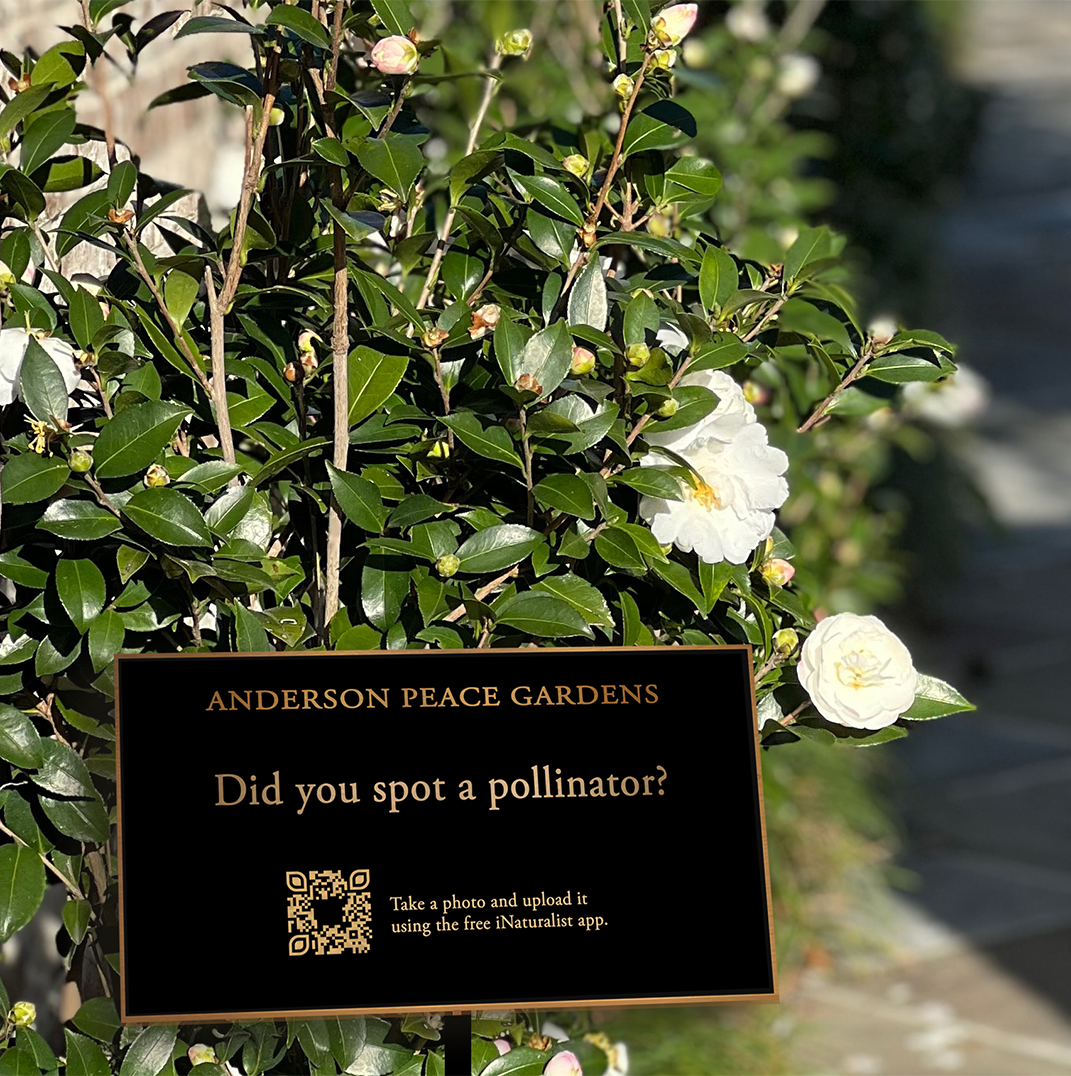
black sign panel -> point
(429, 830)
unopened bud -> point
(785, 641)
(755, 394)
(305, 340)
(583, 361)
(447, 565)
(527, 383)
(577, 164)
(276, 117)
(587, 235)
(309, 362)
(668, 408)
(672, 24)
(432, 338)
(660, 226)
(395, 56)
(200, 1054)
(155, 477)
(80, 461)
(882, 330)
(292, 371)
(663, 59)
(23, 1013)
(19, 86)
(120, 216)
(638, 354)
(86, 358)
(777, 572)
(484, 320)
(514, 43)
(623, 86)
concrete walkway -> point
(979, 979)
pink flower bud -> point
(777, 572)
(583, 361)
(671, 25)
(565, 1063)
(502, 1046)
(395, 56)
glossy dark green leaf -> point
(44, 136)
(497, 547)
(659, 126)
(873, 739)
(935, 698)
(550, 194)
(396, 18)
(250, 636)
(98, 1018)
(811, 245)
(384, 587)
(81, 590)
(229, 509)
(617, 548)
(670, 248)
(20, 743)
(168, 516)
(395, 160)
(62, 772)
(121, 182)
(57, 652)
(301, 23)
(651, 482)
(21, 571)
(719, 277)
(76, 918)
(900, 369)
(106, 635)
(547, 357)
(41, 384)
(22, 887)
(151, 1051)
(565, 493)
(30, 477)
(520, 1061)
(79, 520)
(510, 340)
(416, 509)
(373, 377)
(211, 24)
(490, 441)
(581, 595)
(132, 440)
(587, 300)
(359, 500)
(84, 1055)
(540, 613)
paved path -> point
(979, 978)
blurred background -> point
(922, 891)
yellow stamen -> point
(706, 496)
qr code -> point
(312, 911)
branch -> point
(219, 371)
(68, 884)
(852, 374)
(482, 593)
(448, 223)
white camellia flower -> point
(857, 672)
(13, 345)
(732, 510)
(952, 402)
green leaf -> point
(332, 151)
(587, 300)
(81, 820)
(373, 376)
(493, 442)
(150, 1053)
(659, 126)
(41, 384)
(651, 482)
(510, 340)
(347, 1039)
(211, 24)
(131, 440)
(44, 136)
(581, 595)
(62, 772)
(547, 357)
(279, 461)
(57, 652)
(129, 560)
(694, 404)
(361, 637)
(565, 493)
(86, 318)
(22, 887)
(229, 509)
(18, 570)
(722, 350)
(396, 19)
(359, 500)
(180, 291)
(811, 245)
(121, 182)
(670, 248)
(68, 173)
(106, 635)
(543, 614)
(250, 636)
(168, 516)
(520, 1061)
(935, 698)
(395, 160)
(302, 24)
(22, 105)
(30, 477)
(471, 168)
(85, 1056)
(885, 735)
(682, 580)
(618, 549)
(497, 547)
(19, 742)
(210, 476)
(98, 1019)
(384, 587)
(76, 919)
(919, 338)
(81, 590)
(900, 369)
(550, 194)
(719, 277)
(416, 509)
(79, 520)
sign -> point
(309, 834)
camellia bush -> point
(399, 401)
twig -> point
(104, 402)
(102, 497)
(852, 374)
(195, 365)
(482, 593)
(764, 320)
(71, 887)
(621, 46)
(448, 222)
(788, 719)
(219, 370)
(527, 448)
